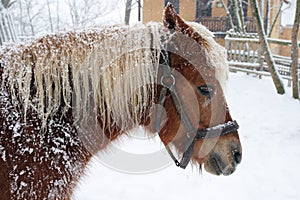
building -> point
(152, 9)
(212, 14)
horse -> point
(66, 96)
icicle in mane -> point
(65, 97)
(113, 69)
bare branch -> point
(275, 19)
(295, 50)
(228, 15)
(128, 11)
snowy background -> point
(269, 133)
(288, 13)
(35, 17)
(270, 136)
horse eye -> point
(206, 90)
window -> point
(203, 8)
(175, 4)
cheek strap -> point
(168, 82)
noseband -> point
(168, 82)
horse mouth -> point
(215, 165)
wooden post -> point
(260, 59)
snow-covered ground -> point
(270, 136)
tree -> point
(28, 16)
(275, 19)
(128, 11)
(241, 15)
(86, 12)
(279, 10)
(7, 29)
(294, 52)
(235, 14)
(35, 17)
(7, 3)
(50, 17)
(129, 5)
(228, 15)
(237, 11)
(57, 15)
(263, 40)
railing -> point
(215, 24)
(245, 54)
(250, 25)
(222, 24)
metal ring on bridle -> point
(168, 81)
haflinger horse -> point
(65, 96)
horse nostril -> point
(237, 157)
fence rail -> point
(245, 54)
(222, 24)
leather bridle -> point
(168, 82)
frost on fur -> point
(112, 70)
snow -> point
(243, 64)
(270, 136)
(288, 13)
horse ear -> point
(173, 21)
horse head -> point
(198, 122)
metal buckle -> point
(168, 81)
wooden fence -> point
(222, 24)
(245, 54)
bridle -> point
(168, 82)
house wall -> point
(218, 10)
(276, 31)
(287, 34)
(187, 9)
(152, 10)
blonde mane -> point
(113, 68)
(114, 71)
(217, 55)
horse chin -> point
(215, 165)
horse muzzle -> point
(219, 165)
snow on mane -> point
(217, 55)
(111, 70)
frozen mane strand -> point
(217, 56)
(69, 96)
(110, 71)
(113, 69)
